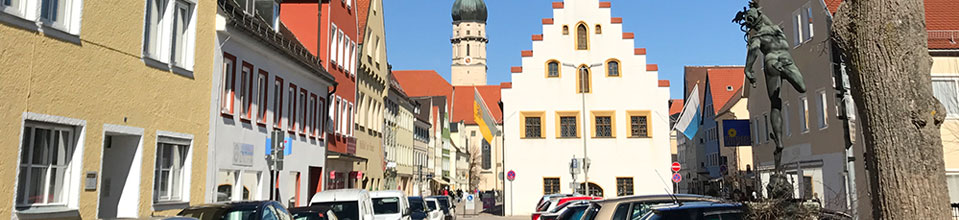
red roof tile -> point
(605, 4)
(547, 21)
(676, 107)
(537, 37)
(832, 5)
(557, 5)
(526, 53)
(663, 83)
(516, 69)
(696, 75)
(723, 84)
(616, 20)
(506, 85)
(628, 35)
(463, 103)
(639, 51)
(942, 22)
(418, 83)
(652, 67)
(362, 14)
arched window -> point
(582, 38)
(583, 80)
(552, 68)
(565, 29)
(599, 29)
(612, 67)
(467, 50)
(594, 190)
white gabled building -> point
(584, 88)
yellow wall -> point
(950, 129)
(104, 81)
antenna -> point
(666, 188)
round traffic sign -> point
(676, 167)
(469, 198)
(511, 175)
(677, 177)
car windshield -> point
(218, 213)
(573, 213)
(416, 204)
(444, 202)
(390, 205)
(431, 204)
(590, 212)
(349, 210)
(542, 207)
(308, 215)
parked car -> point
(695, 211)
(636, 206)
(421, 210)
(316, 212)
(390, 205)
(449, 210)
(550, 205)
(567, 211)
(245, 210)
(347, 204)
(546, 198)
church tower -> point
(469, 43)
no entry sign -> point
(676, 167)
(677, 177)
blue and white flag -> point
(690, 119)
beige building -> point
(371, 89)
(105, 107)
(943, 35)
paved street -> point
(477, 214)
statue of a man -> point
(764, 36)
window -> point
(169, 169)
(809, 23)
(612, 68)
(473, 133)
(334, 35)
(785, 114)
(303, 116)
(582, 38)
(568, 126)
(624, 186)
(532, 125)
(797, 28)
(341, 41)
(278, 102)
(945, 90)
(603, 123)
(565, 29)
(823, 110)
(467, 50)
(803, 114)
(291, 115)
(246, 90)
(766, 131)
(599, 29)
(169, 34)
(552, 68)
(638, 126)
(312, 115)
(46, 155)
(261, 104)
(550, 185)
(229, 84)
(269, 11)
(583, 80)
(335, 118)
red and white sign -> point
(677, 177)
(359, 175)
(676, 167)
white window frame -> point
(334, 35)
(810, 22)
(797, 25)
(69, 180)
(823, 110)
(163, 43)
(803, 114)
(184, 141)
(954, 79)
(68, 18)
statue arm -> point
(752, 53)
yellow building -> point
(945, 81)
(105, 107)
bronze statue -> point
(764, 36)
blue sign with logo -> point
(736, 133)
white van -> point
(434, 205)
(347, 204)
(390, 205)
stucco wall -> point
(102, 80)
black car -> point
(447, 207)
(418, 208)
(246, 210)
(315, 212)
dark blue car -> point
(246, 210)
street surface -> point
(477, 214)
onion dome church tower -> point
(469, 43)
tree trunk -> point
(884, 42)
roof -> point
(942, 22)
(723, 84)
(339, 195)
(696, 75)
(463, 97)
(362, 15)
(418, 83)
(832, 5)
(676, 106)
(469, 10)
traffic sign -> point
(511, 175)
(677, 177)
(676, 167)
(470, 202)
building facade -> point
(421, 136)
(943, 29)
(469, 43)
(105, 116)
(399, 139)
(268, 89)
(585, 61)
(371, 90)
(333, 37)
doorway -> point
(315, 182)
(120, 176)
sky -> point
(675, 33)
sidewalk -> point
(478, 214)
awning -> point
(333, 155)
(440, 181)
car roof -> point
(696, 205)
(312, 208)
(439, 197)
(230, 204)
(386, 193)
(639, 198)
(430, 198)
(339, 195)
(568, 199)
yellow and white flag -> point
(483, 117)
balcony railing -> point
(951, 35)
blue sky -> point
(676, 33)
